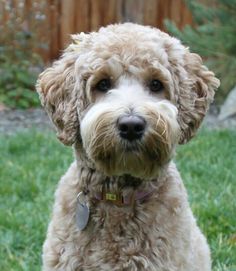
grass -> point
(32, 162)
(208, 168)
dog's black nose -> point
(131, 127)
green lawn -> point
(32, 162)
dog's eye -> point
(156, 86)
(103, 85)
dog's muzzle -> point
(138, 141)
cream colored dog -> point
(124, 97)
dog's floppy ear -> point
(59, 94)
(196, 93)
(56, 90)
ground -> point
(17, 120)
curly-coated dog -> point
(124, 97)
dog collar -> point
(118, 198)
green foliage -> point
(19, 64)
(17, 84)
(213, 37)
(32, 163)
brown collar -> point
(118, 198)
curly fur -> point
(159, 233)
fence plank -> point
(104, 12)
(186, 17)
(82, 17)
(175, 11)
(54, 22)
(151, 12)
(134, 11)
(67, 20)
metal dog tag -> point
(82, 211)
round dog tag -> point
(82, 212)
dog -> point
(124, 97)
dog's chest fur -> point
(140, 237)
(124, 240)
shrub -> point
(17, 84)
(19, 62)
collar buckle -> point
(114, 197)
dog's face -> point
(128, 94)
(129, 126)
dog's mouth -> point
(133, 160)
(131, 147)
(140, 157)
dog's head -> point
(129, 94)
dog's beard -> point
(142, 158)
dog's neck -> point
(93, 181)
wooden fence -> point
(54, 20)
